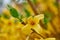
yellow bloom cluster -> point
(12, 29)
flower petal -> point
(26, 29)
(38, 28)
(38, 18)
(50, 39)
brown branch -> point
(38, 34)
(53, 26)
(53, 17)
(58, 10)
(33, 7)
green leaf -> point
(6, 16)
(47, 17)
(34, 1)
(0, 15)
(20, 20)
(27, 13)
(46, 20)
(13, 11)
(56, 4)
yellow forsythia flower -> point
(33, 24)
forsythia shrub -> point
(28, 25)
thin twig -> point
(33, 7)
(37, 33)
